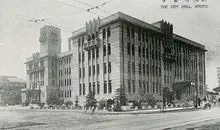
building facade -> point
(10, 90)
(120, 50)
(218, 75)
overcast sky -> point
(19, 37)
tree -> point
(121, 96)
(149, 98)
(53, 100)
(90, 99)
(68, 103)
(102, 103)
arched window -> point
(108, 32)
(103, 34)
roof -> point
(11, 79)
(130, 19)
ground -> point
(78, 120)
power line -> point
(95, 7)
(66, 14)
(87, 10)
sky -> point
(19, 37)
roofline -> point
(133, 20)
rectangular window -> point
(93, 54)
(70, 81)
(97, 52)
(143, 69)
(143, 52)
(83, 56)
(109, 49)
(89, 70)
(144, 87)
(90, 89)
(139, 68)
(147, 88)
(93, 89)
(84, 92)
(80, 73)
(98, 88)
(97, 69)
(79, 42)
(104, 50)
(53, 82)
(139, 51)
(110, 86)
(129, 68)
(105, 87)
(128, 48)
(129, 86)
(105, 68)
(109, 67)
(93, 69)
(133, 83)
(83, 72)
(133, 50)
(89, 54)
(133, 67)
(140, 85)
(80, 90)
(69, 70)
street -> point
(78, 120)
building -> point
(10, 90)
(118, 50)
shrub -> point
(117, 108)
(102, 103)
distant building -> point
(118, 50)
(10, 89)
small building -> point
(10, 90)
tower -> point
(50, 40)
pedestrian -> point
(214, 102)
(93, 110)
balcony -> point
(29, 71)
(91, 44)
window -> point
(146, 52)
(105, 87)
(144, 87)
(143, 52)
(79, 42)
(139, 51)
(140, 85)
(97, 52)
(89, 70)
(93, 69)
(109, 49)
(128, 31)
(139, 36)
(98, 88)
(133, 86)
(110, 86)
(70, 93)
(53, 82)
(139, 68)
(129, 67)
(108, 32)
(69, 70)
(80, 89)
(143, 69)
(147, 88)
(93, 89)
(80, 73)
(97, 69)
(109, 67)
(133, 67)
(105, 68)
(84, 89)
(65, 83)
(79, 57)
(93, 54)
(128, 48)
(132, 33)
(103, 34)
(90, 87)
(83, 72)
(83, 56)
(104, 50)
(70, 81)
(129, 86)
(133, 49)
(89, 55)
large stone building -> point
(118, 50)
(10, 90)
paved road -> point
(34, 120)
